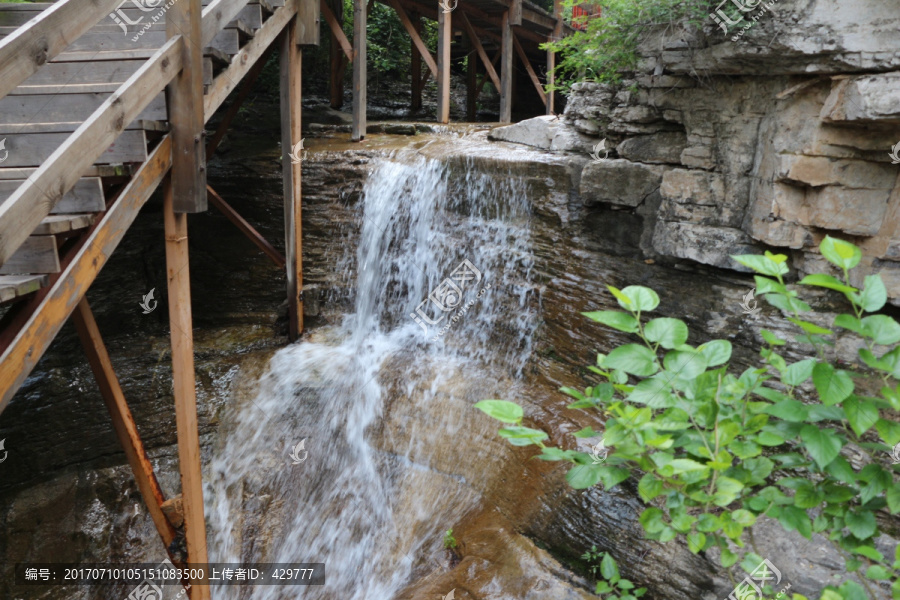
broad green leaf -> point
(849, 322)
(684, 364)
(874, 295)
(581, 477)
(808, 495)
(832, 384)
(696, 541)
(822, 444)
(893, 499)
(861, 414)
(882, 329)
(850, 590)
(840, 253)
(762, 264)
(609, 569)
(727, 491)
(810, 327)
(709, 523)
(728, 558)
(768, 438)
(818, 412)
(716, 352)
(666, 332)
(642, 298)
(633, 359)
(841, 470)
(555, 454)
(869, 552)
(771, 338)
(615, 319)
(652, 520)
(624, 301)
(827, 281)
(889, 431)
(795, 519)
(789, 410)
(877, 572)
(649, 487)
(799, 372)
(654, 392)
(522, 436)
(744, 449)
(507, 412)
(587, 432)
(861, 523)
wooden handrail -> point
(37, 196)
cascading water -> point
(437, 241)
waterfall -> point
(442, 296)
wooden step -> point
(64, 76)
(69, 127)
(114, 40)
(55, 224)
(85, 197)
(112, 170)
(63, 108)
(37, 255)
(32, 149)
(16, 286)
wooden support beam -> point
(49, 33)
(122, 420)
(515, 12)
(358, 130)
(291, 135)
(497, 22)
(445, 37)
(246, 228)
(506, 66)
(185, 99)
(308, 23)
(37, 196)
(531, 74)
(183, 384)
(418, 44)
(485, 77)
(415, 64)
(337, 55)
(337, 32)
(471, 85)
(231, 113)
(216, 15)
(473, 37)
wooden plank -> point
(61, 73)
(246, 228)
(531, 74)
(291, 134)
(415, 64)
(506, 65)
(336, 31)
(62, 224)
(185, 101)
(24, 342)
(473, 37)
(33, 149)
(92, 171)
(216, 15)
(308, 23)
(16, 286)
(122, 420)
(85, 197)
(45, 36)
(34, 200)
(244, 60)
(37, 254)
(471, 84)
(68, 108)
(515, 12)
(337, 58)
(358, 128)
(445, 37)
(419, 45)
(183, 376)
(70, 126)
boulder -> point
(619, 182)
(537, 132)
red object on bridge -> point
(581, 14)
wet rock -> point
(538, 132)
(620, 182)
(663, 148)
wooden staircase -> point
(42, 112)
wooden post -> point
(308, 23)
(291, 172)
(336, 52)
(471, 85)
(415, 63)
(515, 12)
(180, 324)
(551, 58)
(359, 71)
(123, 421)
(506, 65)
(445, 36)
(185, 99)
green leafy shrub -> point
(449, 540)
(718, 449)
(609, 43)
(611, 584)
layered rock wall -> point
(765, 138)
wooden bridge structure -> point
(104, 101)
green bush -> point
(717, 449)
(608, 45)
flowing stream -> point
(372, 399)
